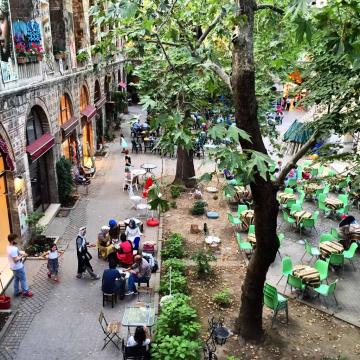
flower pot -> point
(5, 302)
(22, 60)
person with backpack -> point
(84, 256)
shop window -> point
(79, 25)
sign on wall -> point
(22, 210)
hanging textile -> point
(33, 32)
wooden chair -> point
(111, 331)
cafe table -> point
(141, 315)
(310, 188)
(285, 197)
(148, 167)
(333, 203)
(301, 215)
(330, 247)
(309, 275)
(252, 239)
(247, 218)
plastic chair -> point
(343, 210)
(287, 218)
(306, 224)
(251, 229)
(327, 290)
(241, 208)
(326, 237)
(281, 237)
(310, 250)
(323, 268)
(301, 197)
(349, 254)
(287, 267)
(314, 172)
(322, 206)
(235, 221)
(244, 245)
(289, 203)
(335, 234)
(294, 208)
(344, 198)
(292, 183)
(289, 191)
(296, 283)
(275, 301)
(336, 260)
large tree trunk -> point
(185, 170)
(249, 322)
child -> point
(53, 262)
(123, 143)
(127, 158)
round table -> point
(148, 167)
(138, 172)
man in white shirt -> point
(17, 266)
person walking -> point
(123, 143)
(84, 256)
(17, 266)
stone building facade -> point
(52, 102)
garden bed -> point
(38, 248)
(310, 333)
(71, 203)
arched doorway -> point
(39, 143)
(87, 112)
(68, 123)
(5, 224)
(99, 103)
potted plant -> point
(82, 56)
(21, 53)
(38, 51)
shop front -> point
(40, 156)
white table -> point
(138, 172)
(148, 167)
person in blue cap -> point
(114, 231)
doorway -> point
(5, 228)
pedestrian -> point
(127, 158)
(123, 143)
(287, 104)
(17, 266)
(84, 256)
(140, 271)
(53, 262)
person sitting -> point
(110, 285)
(133, 234)
(140, 271)
(306, 175)
(105, 246)
(140, 338)
(114, 231)
(125, 253)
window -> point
(34, 126)
(97, 95)
(84, 98)
(65, 109)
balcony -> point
(30, 70)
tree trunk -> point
(185, 170)
(249, 322)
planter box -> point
(22, 60)
(77, 196)
(39, 256)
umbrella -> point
(292, 129)
(297, 134)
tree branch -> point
(271, 7)
(188, 40)
(211, 26)
(165, 53)
(292, 162)
(217, 69)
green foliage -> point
(222, 298)
(175, 191)
(33, 221)
(176, 348)
(198, 207)
(175, 264)
(156, 200)
(178, 283)
(65, 181)
(202, 260)
(120, 99)
(173, 247)
(82, 55)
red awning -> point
(40, 146)
(100, 103)
(69, 126)
(89, 112)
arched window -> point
(79, 24)
(97, 95)
(84, 98)
(57, 25)
(65, 109)
(36, 125)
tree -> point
(219, 42)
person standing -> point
(84, 256)
(17, 267)
(53, 262)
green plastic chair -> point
(315, 217)
(331, 173)
(281, 237)
(343, 210)
(344, 198)
(275, 301)
(324, 208)
(323, 268)
(321, 169)
(307, 163)
(326, 237)
(235, 221)
(251, 229)
(349, 254)
(289, 191)
(322, 197)
(310, 250)
(241, 208)
(296, 283)
(244, 245)
(289, 204)
(287, 267)
(314, 172)
(327, 290)
(306, 224)
(301, 197)
(336, 260)
(287, 218)
(326, 189)
(294, 208)
(335, 234)
(292, 183)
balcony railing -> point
(30, 70)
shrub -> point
(222, 298)
(176, 265)
(176, 348)
(173, 204)
(198, 207)
(65, 181)
(178, 283)
(175, 191)
(173, 247)
(202, 261)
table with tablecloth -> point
(330, 247)
(247, 218)
(309, 275)
(285, 197)
(299, 216)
